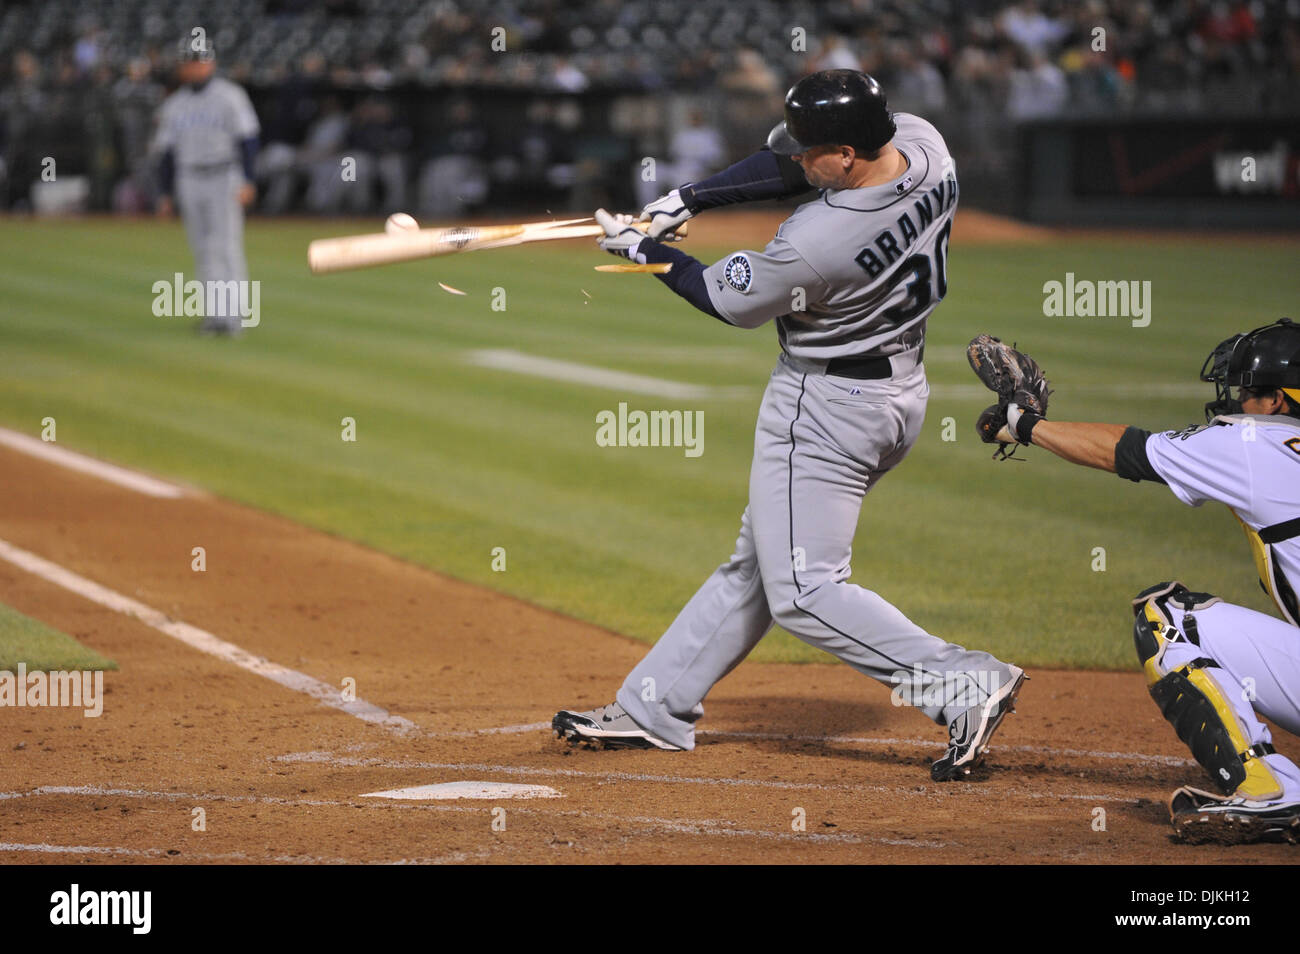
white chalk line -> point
(327, 758)
(179, 856)
(504, 359)
(47, 450)
(185, 857)
(203, 641)
(708, 827)
(1170, 760)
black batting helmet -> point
(833, 108)
(1268, 357)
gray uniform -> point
(203, 129)
(868, 267)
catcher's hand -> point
(664, 215)
(620, 237)
(1022, 392)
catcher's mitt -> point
(1017, 379)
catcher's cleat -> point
(970, 732)
(609, 727)
(1200, 817)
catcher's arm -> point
(1089, 444)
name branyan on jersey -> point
(927, 207)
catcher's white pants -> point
(1259, 660)
(820, 444)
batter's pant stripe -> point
(789, 481)
(868, 647)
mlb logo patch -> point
(738, 272)
(904, 185)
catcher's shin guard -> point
(1193, 699)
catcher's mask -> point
(1268, 357)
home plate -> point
(450, 790)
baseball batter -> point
(1212, 667)
(850, 280)
(207, 141)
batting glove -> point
(664, 215)
(620, 236)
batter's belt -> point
(866, 367)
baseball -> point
(400, 222)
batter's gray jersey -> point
(204, 127)
(855, 271)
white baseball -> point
(400, 222)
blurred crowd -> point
(445, 103)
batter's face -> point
(826, 167)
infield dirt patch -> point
(279, 776)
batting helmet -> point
(833, 108)
(1268, 357)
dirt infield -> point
(279, 775)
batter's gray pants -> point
(820, 444)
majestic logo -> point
(738, 272)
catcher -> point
(1212, 667)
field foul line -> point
(184, 857)
(505, 359)
(203, 641)
(140, 483)
(1171, 760)
(327, 758)
(708, 827)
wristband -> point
(687, 194)
(1022, 423)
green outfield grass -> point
(40, 647)
(453, 460)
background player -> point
(207, 140)
(850, 280)
(1210, 665)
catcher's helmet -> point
(1268, 357)
(833, 108)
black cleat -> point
(609, 727)
(970, 732)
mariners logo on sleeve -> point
(738, 272)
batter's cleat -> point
(1201, 817)
(609, 727)
(969, 733)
